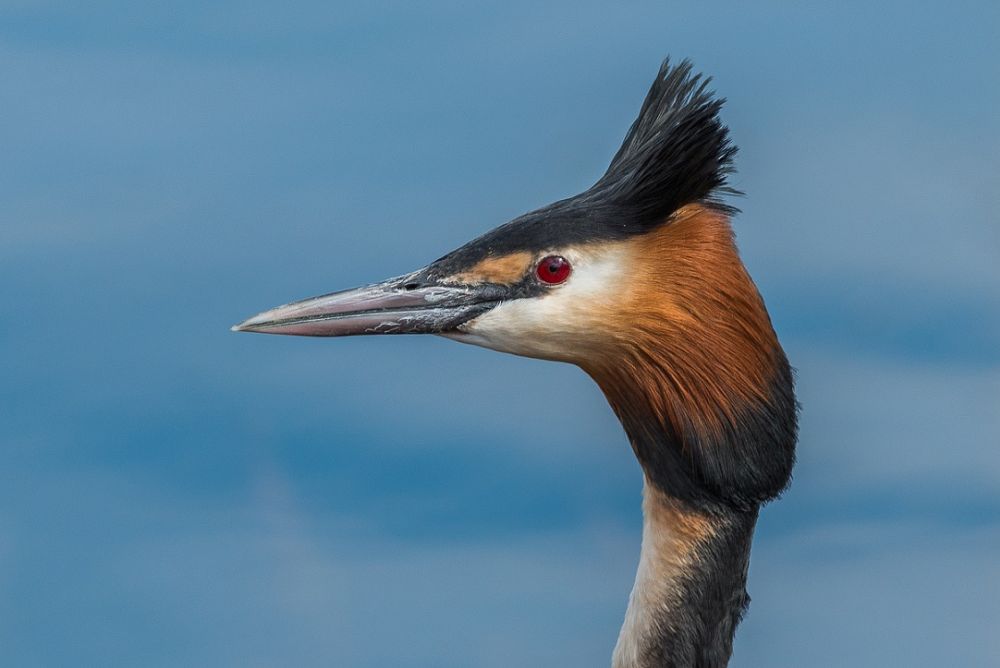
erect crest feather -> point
(677, 151)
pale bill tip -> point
(250, 324)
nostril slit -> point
(411, 286)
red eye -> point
(553, 269)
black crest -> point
(677, 152)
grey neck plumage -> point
(690, 589)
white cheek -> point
(557, 323)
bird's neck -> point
(690, 589)
(705, 393)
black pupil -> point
(553, 266)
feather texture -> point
(677, 151)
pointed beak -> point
(410, 304)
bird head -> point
(637, 280)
